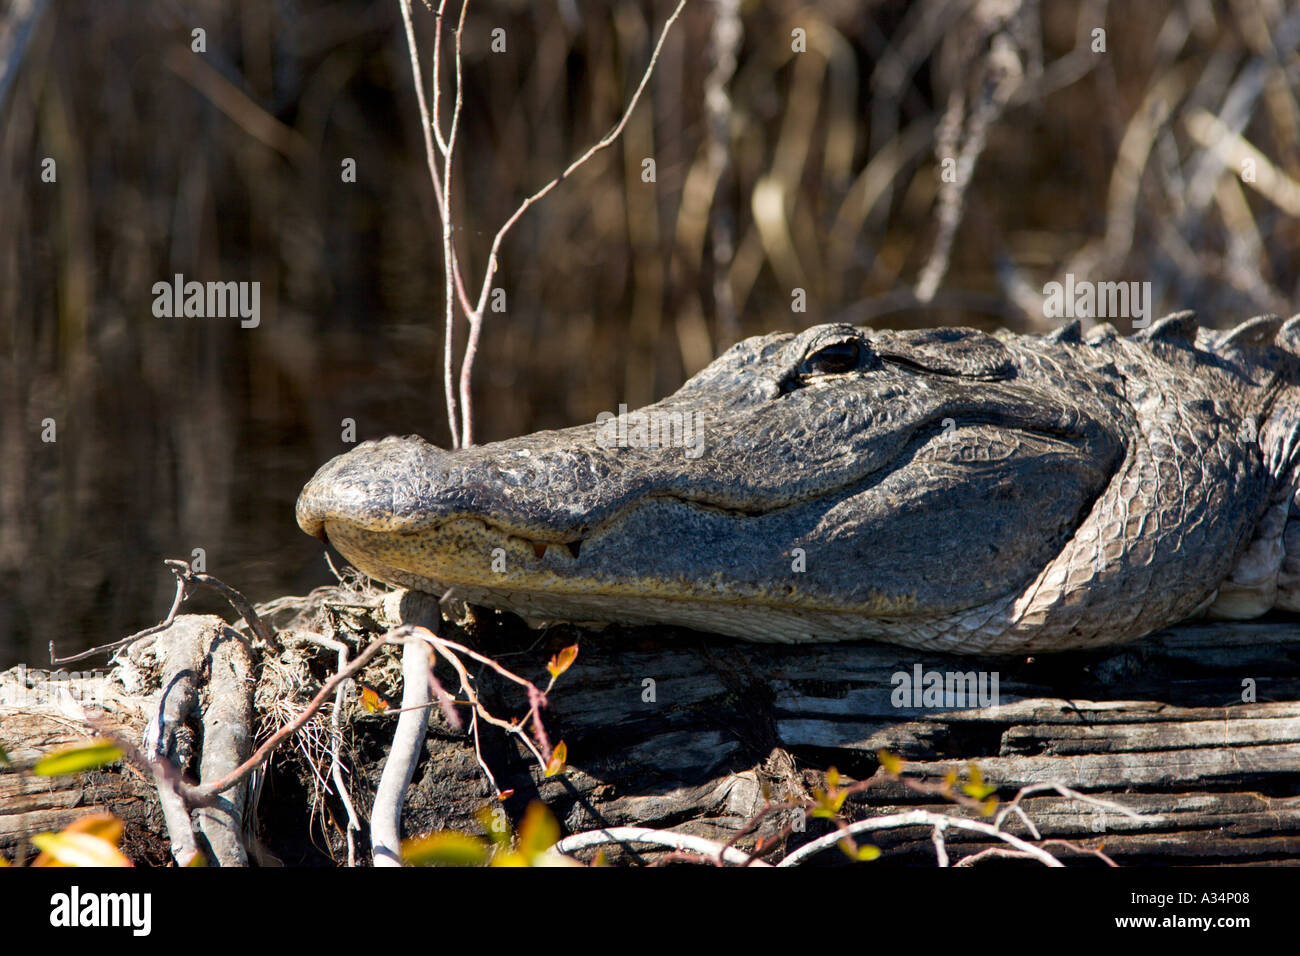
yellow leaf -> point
(978, 791)
(558, 756)
(890, 761)
(78, 759)
(853, 851)
(103, 825)
(563, 660)
(79, 849)
(372, 702)
(538, 833)
(445, 848)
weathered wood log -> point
(1196, 729)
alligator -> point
(946, 489)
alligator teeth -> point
(539, 549)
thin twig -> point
(201, 794)
(431, 160)
(475, 317)
(182, 589)
(240, 603)
(916, 818)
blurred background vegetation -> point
(775, 170)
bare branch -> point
(431, 159)
(679, 841)
(476, 316)
(917, 818)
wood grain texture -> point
(1159, 726)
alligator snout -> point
(378, 485)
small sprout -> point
(78, 759)
(828, 804)
(562, 661)
(890, 762)
(558, 757)
(977, 788)
(372, 702)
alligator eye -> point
(833, 359)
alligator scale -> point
(943, 489)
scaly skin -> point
(944, 489)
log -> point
(1195, 729)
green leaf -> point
(445, 848)
(78, 759)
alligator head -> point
(942, 488)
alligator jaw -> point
(940, 489)
(727, 565)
